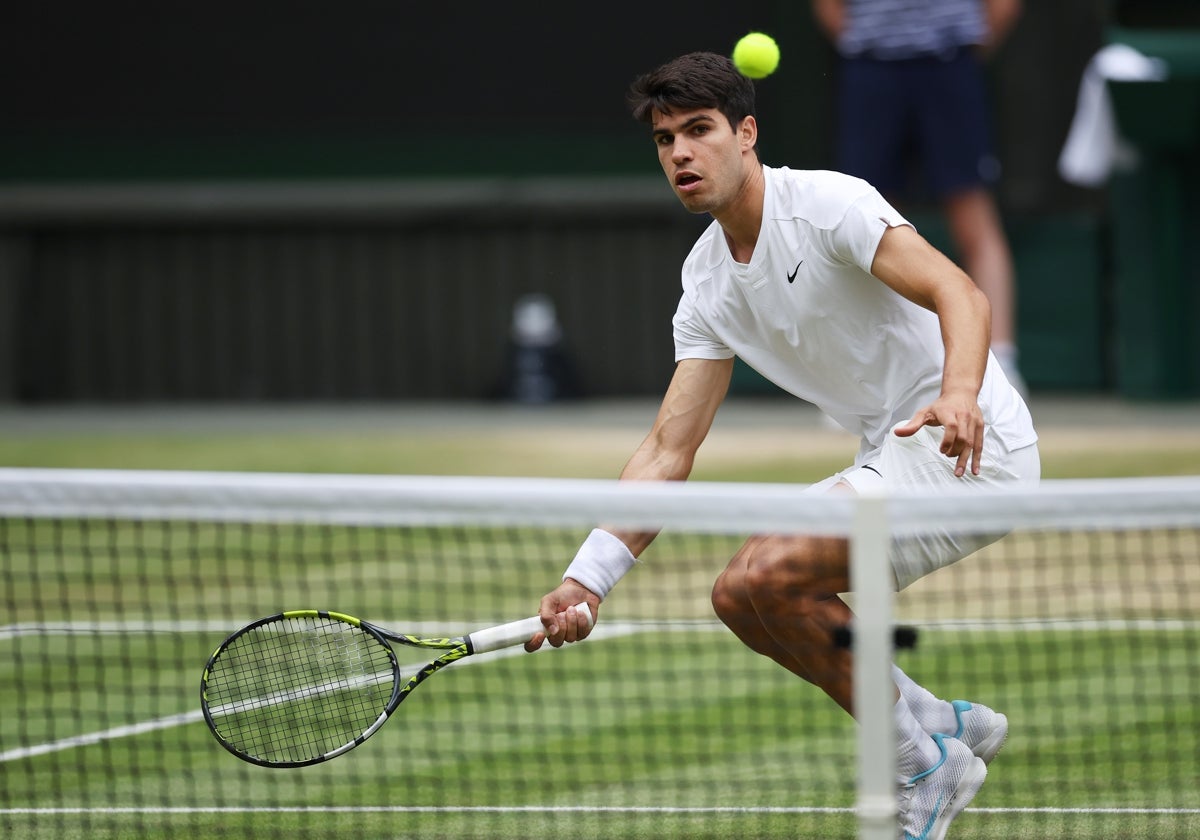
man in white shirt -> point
(820, 285)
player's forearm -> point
(667, 454)
(652, 462)
(966, 332)
(609, 552)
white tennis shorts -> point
(916, 462)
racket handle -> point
(515, 632)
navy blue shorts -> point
(919, 122)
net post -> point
(874, 690)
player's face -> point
(703, 156)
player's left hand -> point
(960, 417)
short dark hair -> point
(695, 80)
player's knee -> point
(771, 579)
(729, 599)
(784, 572)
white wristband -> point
(601, 561)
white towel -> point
(1094, 147)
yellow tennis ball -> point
(756, 55)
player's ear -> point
(747, 133)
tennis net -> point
(1082, 624)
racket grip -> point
(515, 632)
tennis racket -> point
(305, 686)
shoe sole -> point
(968, 786)
(989, 746)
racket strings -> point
(297, 688)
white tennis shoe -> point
(929, 801)
(980, 728)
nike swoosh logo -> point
(792, 276)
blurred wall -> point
(264, 301)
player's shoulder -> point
(819, 197)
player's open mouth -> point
(687, 181)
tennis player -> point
(816, 282)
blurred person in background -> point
(912, 91)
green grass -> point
(688, 721)
(615, 738)
(639, 735)
(691, 722)
(458, 452)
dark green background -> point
(365, 88)
(503, 161)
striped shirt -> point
(899, 29)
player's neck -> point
(741, 220)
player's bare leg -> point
(733, 607)
(779, 595)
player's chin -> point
(692, 202)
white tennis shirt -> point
(808, 315)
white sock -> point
(934, 714)
(916, 752)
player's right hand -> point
(961, 418)
(562, 623)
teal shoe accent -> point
(929, 803)
(960, 706)
(937, 737)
